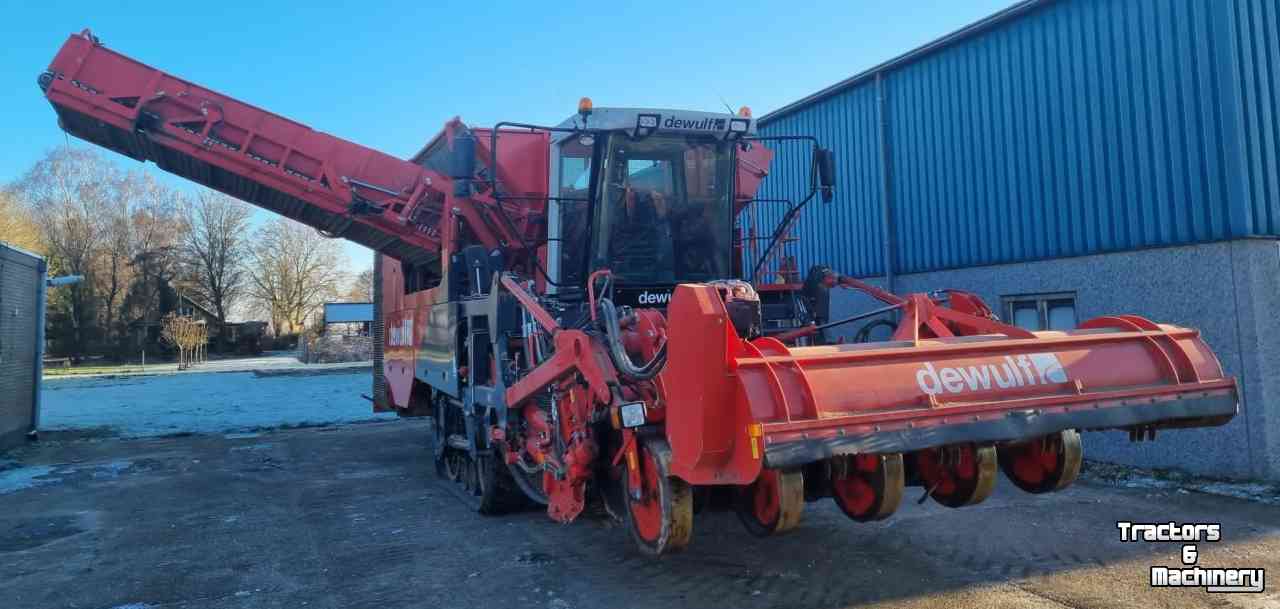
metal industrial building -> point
(1068, 159)
(22, 278)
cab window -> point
(575, 188)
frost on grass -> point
(32, 476)
(1136, 477)
(17, 479)
(205, 402)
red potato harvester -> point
(567, 303)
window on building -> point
(1041, 311)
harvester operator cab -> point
(646, 194)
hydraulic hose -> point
(618, 353)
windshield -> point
(665, 212)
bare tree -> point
(361, 289)
(293, 271)
(115, 273)
(66, 190)
(117, 230)
(17, 226)
(216, 245)
(157, 232)
(186, 334)
(142, 228)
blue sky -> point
(389, 74)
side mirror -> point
(825, 160)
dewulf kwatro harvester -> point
(567, 303)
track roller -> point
(958, 475)
(488, 483)
(867, 487)
(448, 463)
(481, 479)
(773, 503)
(661, 521)
(1045, 464)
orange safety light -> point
(744, 112)
(584, 105)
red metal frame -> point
(122, 104)
(575, 352)
(111, 90)
(919, 312)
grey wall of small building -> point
(1230, 291)
(20, 275)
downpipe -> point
(42, 296)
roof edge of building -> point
(1009, 13)
(7, 245)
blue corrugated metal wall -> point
(1258, 25)
(1076, 127)
(845, 233)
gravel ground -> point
(349, 516)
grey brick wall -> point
(1230, 291)
(19, 282)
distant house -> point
(243, 337)
(146, 331)
(235, 332)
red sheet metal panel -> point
(387, 204)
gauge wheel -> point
(867, 487)
(773, 503)
(661, 519)
(1045, 464)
